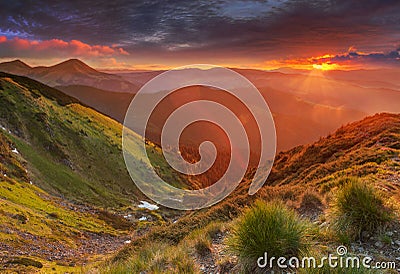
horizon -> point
(138, 70)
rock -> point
(379, 244)
(389, 233)
(365, 234)
(397, 242)
(26, 262)
(21, 218)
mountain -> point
(112, 104)
(15, 67)
(65, 192)
(297, 121)
(368, 149)
(41, 231)
(367, 91)
(64, 187)
(70, 72)
(306, 105)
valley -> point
(68, 203)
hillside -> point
(113, 104)
(368, 149)
(65, 142)
(60, 197)
(306, 104)
(297, 121)
(40, 230)
(70, 72)
(64, 187)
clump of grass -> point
(154, 258)
(357, 208)
(311, 200)
(225, 265)
(202, 246)
(201, 239)
(267, 227)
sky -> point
(126, 34)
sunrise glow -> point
(325, 66)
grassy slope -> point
(368, 149)
(70, 153)
(72, 150)
(29, 216)
(113, 104)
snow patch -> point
(143, 218)
(128, 242)
(15, 151)
(147, 205)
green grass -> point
(72, 150)
(155, 258)
(30, 216)
(71, 153)
(358, 207)
(267, 227)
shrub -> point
(266, 227)
(358, 207)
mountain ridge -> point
(368, 149)
(70, 72)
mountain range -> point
(305, 104)
(70, 72)
(66, 198)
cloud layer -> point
(217, 30)
(18, 47)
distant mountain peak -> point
(74, 65)
(15, 67)
(18, 63)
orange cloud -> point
(23, 47)
(352, 59)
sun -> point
(325, 66)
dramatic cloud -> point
(17, 47)
(355, 57)
(222, 31)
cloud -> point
(353, 56)
(19, 47)
(214, 29)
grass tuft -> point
(267, 227)
(357, 208)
